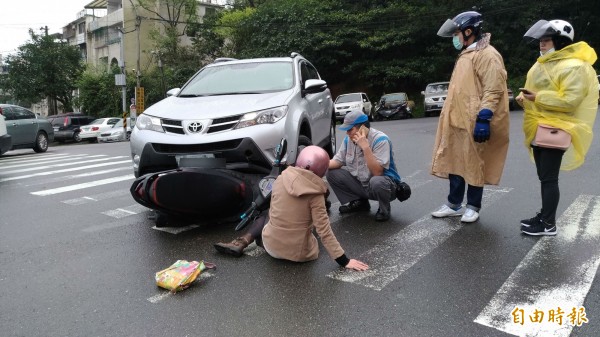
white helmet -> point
(551, 28)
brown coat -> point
(478, 81)
(298, 206)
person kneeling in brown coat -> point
(297, 206)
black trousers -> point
(547, 163)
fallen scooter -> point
(392, 110)
(265, 186)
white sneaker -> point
(470, 216)
(445, 211)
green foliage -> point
(98, 94)
(43, 68)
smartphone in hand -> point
(363, 130)
(525, 91)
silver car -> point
(232, 114)
(435, 96)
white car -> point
(116, 133)
(91, 131)
(232, 115)
(354, 101)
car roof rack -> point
(224, 59)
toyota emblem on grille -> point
(194, 127)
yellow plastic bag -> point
(181, 274)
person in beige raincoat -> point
(561, 91)
(297, 207)
(472, 136)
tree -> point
(98, 94)
(44, 68)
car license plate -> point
(55, 129)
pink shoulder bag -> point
(551, 137)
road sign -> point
(139, 99)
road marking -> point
(37, 168)
(125, 211)
(557, 272)
(46, 161)
(36, 156)
(97, 197)
(175, 230)
(83, 185)
(77, 176)
(398, 253)
(79, 168)
(159, 297)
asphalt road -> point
(78, 257)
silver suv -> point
(233, 113)
(435, 96)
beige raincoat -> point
(566, 90)
(478, 81)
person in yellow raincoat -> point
(561, 91)
(472, 136)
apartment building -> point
(97, 31)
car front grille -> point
(218, 124)
(196, 148)
(172, 126)
(221, 124)
(343, 107)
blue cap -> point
(353, 118)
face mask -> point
(547, 51)
(456, 42)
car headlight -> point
(117, 133)
(429, 100)
(145, 122)
(268, 116)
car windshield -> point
(348, 98)
(394, 97)
(242, 78)
(439, 88)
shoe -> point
(445, 211)
(380, 216)
(540, 228)
(531, 221)
(470, 215)
(356, 206)
(234, 248)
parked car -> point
(68, 126)
(236, 112)
(5, 140)
(393, 106)
(116, 132)
(512, 104)
(25, 128)
(354, 101)
(434, 97)
(91, 131)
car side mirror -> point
(173, 92)
(314, 86)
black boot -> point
(359, 205)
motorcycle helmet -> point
(314, 159)
(462, 22)
(561, 32)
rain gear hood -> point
(566, 90)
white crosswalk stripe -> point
(557, 272)
(125, 211)
(44, 167)
(45, 161)
(401, 251)
(78, 168)
(83, 185)
(96, 197)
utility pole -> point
(121, 79)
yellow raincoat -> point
(566, 90)
(478, 81)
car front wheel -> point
(332, 146)
(41, 143)
(76, 137)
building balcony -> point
(109, 20)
